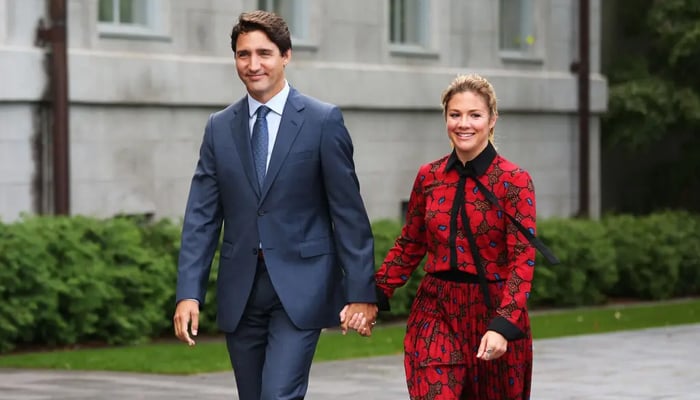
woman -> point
(468, 333)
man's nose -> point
(254, 63)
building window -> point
(408, 22)
(137, 17)
(517, 26)
(294, 12)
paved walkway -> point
(650, 364)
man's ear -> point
(287, 56)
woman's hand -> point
(493, 345)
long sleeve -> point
(201, 227)
(410, 247)
(519, 202)
(352, 229)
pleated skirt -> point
(444, 330)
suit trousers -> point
(270, 356)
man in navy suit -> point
(297, 243)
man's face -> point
(260, 65)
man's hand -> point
(186, 311)
(493, 345)
(358, 316)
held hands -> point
(360, 317)
(493, 345)
(186, 311)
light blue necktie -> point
(259, 144)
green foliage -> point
(26, 286)
(654, 103)
(675, 29)
(648, 259)
(69, 281)
(162, 239)
(642, 111)
(80, 280)
(587, 270)
(141, 274)
(80, 292)
(687, 248)
(655, 85)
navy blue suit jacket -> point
(309, 217)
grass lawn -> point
(210, 355)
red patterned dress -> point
(451, 313)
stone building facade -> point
(145, 74)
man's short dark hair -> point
(274, 27)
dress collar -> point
(478, 165)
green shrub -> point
(78, 273)
(162, 238)
(648, 259)
(26, 284)
(74, 280)
(587, 270)
(80, 280)
(144, 280)
(688, 249)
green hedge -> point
(80, 280)
(658, 256)
(587, 270)
(67, 281)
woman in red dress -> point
(468, 333)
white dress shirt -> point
(276, 105)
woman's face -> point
(468, 124)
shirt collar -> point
(276, 103)
(479, 164)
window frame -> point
(527, 21)
(157, 12)
(424, 26)
(299, 23)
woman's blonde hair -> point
(476, 84)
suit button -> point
(261, 213)
(255, 251)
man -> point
(276, 169)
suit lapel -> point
(240, 129)
(290, 125)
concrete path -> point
(659, 363)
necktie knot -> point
(262, 112)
